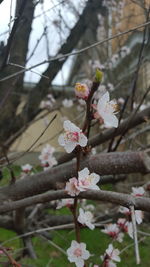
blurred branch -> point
(139, 203)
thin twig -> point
(136, 246)
(60, 57)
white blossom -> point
(71, 187)
(84, 182)
(111, 255)
(26, 168)
(72, 137)
(47, 158)
(86, 218)
(106, 110)
(125, 226)
(77, 253)
(138, 191)
(87, 181)
(138, 214)
(113, 231)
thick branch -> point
(140, 203)
(11, 89)
(103, 164)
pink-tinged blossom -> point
(65, 203)
(111, 255)
(67, 103)
(125, 226)
(82, 91)
(106, 110)
(77, 253)
(46, 157)
(87, 181)
(84, 182)
(71, 187)
(72, 137)
(86, 218)
(138, 191)
(138, 214)
(26, 168)
(114, 231)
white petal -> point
(105, 97)
(103, 100)
(79, 262)
(61, 140)
(84, 173)
(91, 226)
(82, 140)
(110, 120)
(71, 127)
(69, 147)
(86, 255)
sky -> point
(53, 11)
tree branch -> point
(140, 203)
(103, 164)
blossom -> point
(138, 191)
(125, 226)
(72, 137)
(77, 253)
(82, 90)
(106, 111)
(86, 218)
(65, 203)
(71, 187)
(84, 182)
(87, 181)
(46, 157)
(113, 231)
(26, 168)
(67, 103)
(110, 256)
(138, 214)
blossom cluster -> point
(84, 182)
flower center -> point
(138, 195)
(72, 136)
(113, 234)
(78, 252)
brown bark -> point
(140, 203)
(103, 164)
(10, 90)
